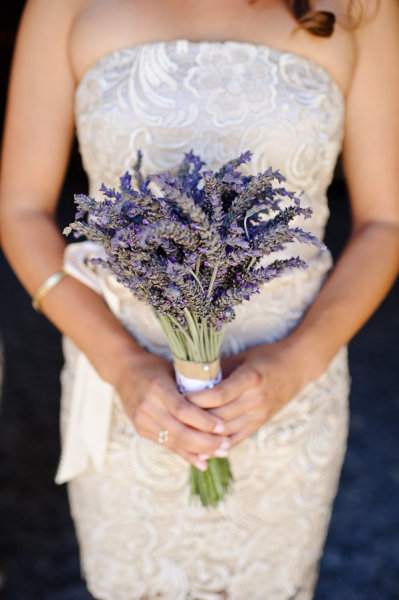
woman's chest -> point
(216, 98)
(103, 26)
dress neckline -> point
(135, 47)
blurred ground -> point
(37, 542)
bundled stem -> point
(198, 341)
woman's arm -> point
(38, 132)
(259, 385)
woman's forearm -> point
(35, 249)
(355, 288)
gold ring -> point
(163, 436)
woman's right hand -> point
(152, 401)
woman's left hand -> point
(258, 383)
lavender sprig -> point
(195, 244)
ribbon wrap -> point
(85, 437)
(194, 376)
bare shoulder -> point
(100, 26)
(39, 119)
(379, 25)
(377, 46)
(367, 43)
(49, 19)
(43, 33)
(41, 55)
(371, 146)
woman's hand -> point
(258, 383)
(152, 401)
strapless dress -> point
(140, 538)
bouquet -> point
(189, 244)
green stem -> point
(202, 339)
(251, 263)
(245, 226)
(191, 348)
(213, 484)
(215, 270)
(212, 340)
(192, 326)
(195, 275)
(173, 340)
(197, 266)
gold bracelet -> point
(44, 289)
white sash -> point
(87, 431)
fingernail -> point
(221, 453)
(219, 428)
(224, 446)
(201, 465)
(204, 456)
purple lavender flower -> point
(195, 245)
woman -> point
(160, 76)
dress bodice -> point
(218, 99)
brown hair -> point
(321, 22)
(318, 22)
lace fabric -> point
(139, 536)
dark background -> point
(37, 543)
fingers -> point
(240, 380)
(150, 420)
(237, 424)
(244, 433)
(147, 430)
(230, 364)
(181, 409)
(194, 460)
(241, 405)
(192, 440)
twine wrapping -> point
(193, 376)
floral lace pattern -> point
(140, 538)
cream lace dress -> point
(140, 538)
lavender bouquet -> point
(189, 245)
